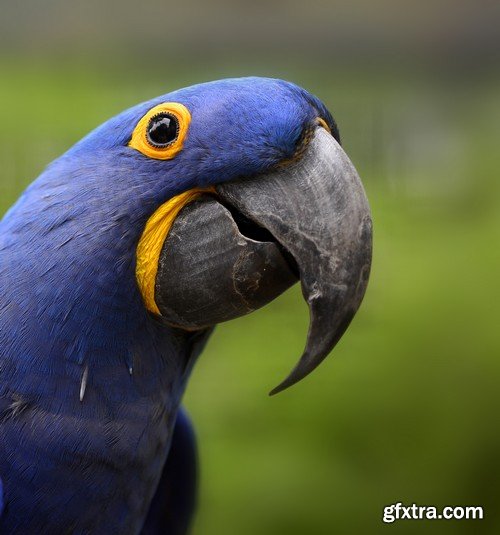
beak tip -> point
(293, 378)
(297, 374)
(277, 389)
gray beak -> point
(230, 253)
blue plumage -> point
(71, 310)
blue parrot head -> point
(200, 206)
(237, 128)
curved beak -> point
(230, 253)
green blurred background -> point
(407, 407)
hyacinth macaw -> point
(115, 264)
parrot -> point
(116, 264)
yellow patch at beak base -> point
(152, 240)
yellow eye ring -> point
(171, 120)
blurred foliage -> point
(406, 408)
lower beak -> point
(233, 251)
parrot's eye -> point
(163, 130)
(160, 134)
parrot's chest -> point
(94, 470)
(127, 469)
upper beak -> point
(231, 252)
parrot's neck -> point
(70, 295)
(99, 378)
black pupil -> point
(162, 129)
